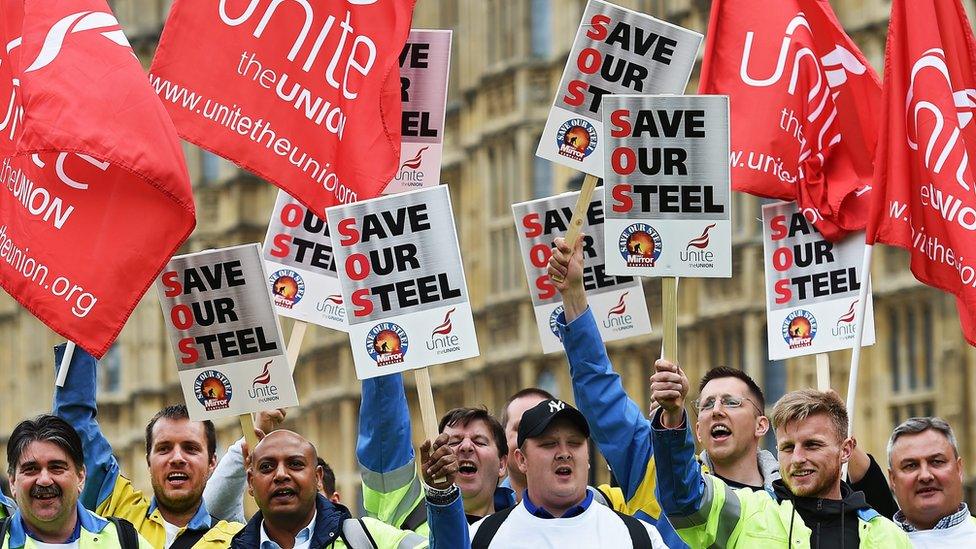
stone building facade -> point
(507, 59)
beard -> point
(822, 483)
(179, 502)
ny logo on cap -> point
(556, 405)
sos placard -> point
(812, 286)
(616, 51)
(617, 302)
(301, 266)
(225, 334)
(402, 281)
(667, 186)
(424, 65)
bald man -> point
(283, 475)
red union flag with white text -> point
(304, 94)
(804, 106)
(925, 192)
(94, 194)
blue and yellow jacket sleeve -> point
(75, 403)
(448, 525)
(617, 424)
(392, 491)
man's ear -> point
(319, 476)
(250, 480)
(847, 449)
(698, 431)
(520, 460)
(212, 465)
(503, 467)
(82, 474)
(335, 497)
(762, 426)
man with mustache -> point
(283, 476)
(45, 460)
(810, 506)
(180, 454)
(557, 509)
(926, 474)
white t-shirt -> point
(171, 531)
(42, 545)
(960, 535)
(596, 527)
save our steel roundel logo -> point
(799, 328)
(576, 138)
(387, 343)
(287, 287)
(552, 321)
(213, 390)
(640, 245)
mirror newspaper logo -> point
(696, 254)
(213, 390)
(287, 287)
(441, 339)
(262, 389)
(332, 308)
(640, 245)
(576, 138)
(387, 343)
(799, 328)
(617, 318)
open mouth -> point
(928, 490)
(467, 468)
(177, 478)
(284, 494)
(802, 473)
(564, 471)
(720, 432)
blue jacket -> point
(391, 488)
(617, 423)
(447, 522)
(93, 532)
(7, 506)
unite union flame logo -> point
(620, 308)
(702, 241)
(445, 327)
(103, 23)
(849, 316)
(416, 161)
(264, 377)
(334, 298)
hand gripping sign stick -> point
(579, 214)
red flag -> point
(304, 94)
(925, 189)
(94, 194)
(804, 106)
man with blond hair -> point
(810, 506)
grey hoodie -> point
(768, 467)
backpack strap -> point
(128, 537)
(188, 539)
(416, 518)
(4, 522)
(356, 535)
(638, 533)
(489, 527)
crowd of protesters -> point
(516, 480)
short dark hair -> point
(464, 416)
(328, 476)
(724, 371)
(179, 411)
(528, 391)
(44, 428)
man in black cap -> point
(556, 509)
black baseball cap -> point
(537, 419)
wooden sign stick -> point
(579, 213)
(823, 372)
(295, 343)
(428, 413)
(669, 300)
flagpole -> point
(862, 303)
(69, 352)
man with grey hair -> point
(925, 472)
